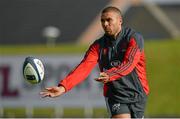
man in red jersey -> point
(120, 55)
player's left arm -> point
(131, 58)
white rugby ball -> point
(33, 70)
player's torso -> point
(128, 88)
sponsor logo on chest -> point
(115, 63)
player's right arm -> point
(77, 75)
(83, 69)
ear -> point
(121, 20)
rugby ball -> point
(33, 70)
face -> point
(111, 23)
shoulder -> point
(100, 41)
(97, 43)
(130, 32)
(137, 36)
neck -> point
(116, 34)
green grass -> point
(41, 49)
(163, 67)
(10, 112)
(73, 112)
(49, 112)
(163, 71)
(43, 112)
(100, 113)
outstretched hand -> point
(104, 78)
(53, 91)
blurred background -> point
(59, 32)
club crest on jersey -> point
(116, 107)
(115, 63)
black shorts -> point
(136, 110)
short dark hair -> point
(111, 8)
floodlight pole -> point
(163, 19)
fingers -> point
(44, 94)
(47, 92)
(49, 88)
(100, 78)
(104, 78)
(97, 79)
(52, 91)
(103, 74)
